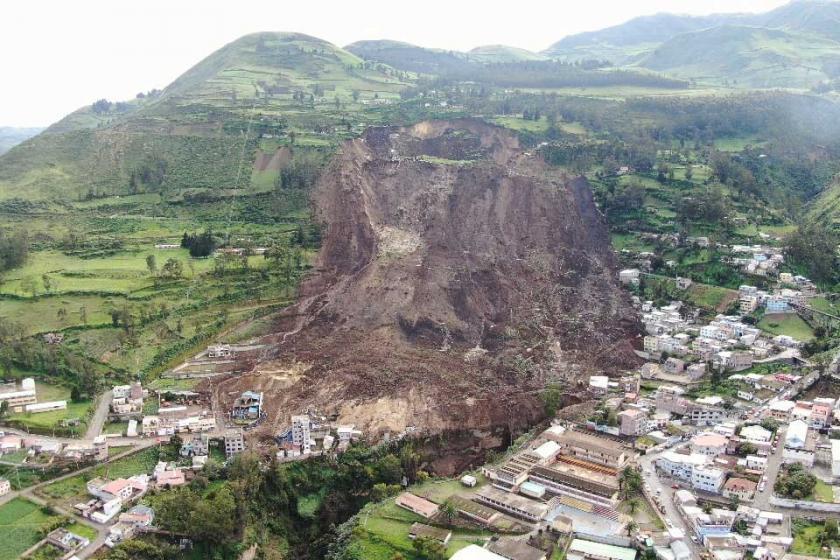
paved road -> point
(666, 495)
(101, 530)
(100, 415)
(774, 461)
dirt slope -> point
(457, 276)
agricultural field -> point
(70, 490)
(383, 530)
(44, 421)
(20, 524)
(789, 324)
(806, 539)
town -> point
(721, 445)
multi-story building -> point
(707, 479)
(234, 443)
(709, 443)
(632, 422)
(741, 488)
(592, 448)
(302, 432)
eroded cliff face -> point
(458, 275)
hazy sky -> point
(59, 55)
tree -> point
(630, 481)
(631, 526)
(830, 532)
(172, 269)
(814, 246)
(689, 172)
(633, 505)
(448, 510)
(4, 409)
(429, 549)
(151, 264)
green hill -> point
(502, 53)
(747, 56)
(12, 136)
(624, 43)
(826, 207)
(189, 136)
(410, 57)
(796, 45)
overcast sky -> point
(59, 55)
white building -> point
(756, 433)
(629, 276)
(835, 458)
(302, 432)
(709, 444)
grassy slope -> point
(502, 53)
(196, 124)
(827, 206)
(751, 57)
(20, 522)
(788, 324)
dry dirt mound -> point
(457, 276)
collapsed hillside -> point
(458, 275)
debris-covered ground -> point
(458, 275)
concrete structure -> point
(800, 444)
(629, 276)
(416, 504)
(419, 530)
(740, 488)
(234, 443)
(756, 433)
(515, 549)
(475, 552)
(835, 458)
(592, 448)
(248, 406)
(588, 550)
(512, 504)
(302, 432)
(45, 407)
(709, 443)
(632, 422)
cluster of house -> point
(109, 497)
(762, 535)
(757, 259)
(23, 397)
(186, 414)
(66, 541)
(248, 408)
(47, 451)
(509, 548)
(726, 342)
(127, 400)
(308, 434)
(782, 300)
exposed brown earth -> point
(458, 275)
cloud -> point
(59, 56)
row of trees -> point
(14, 249)
(199, 245)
